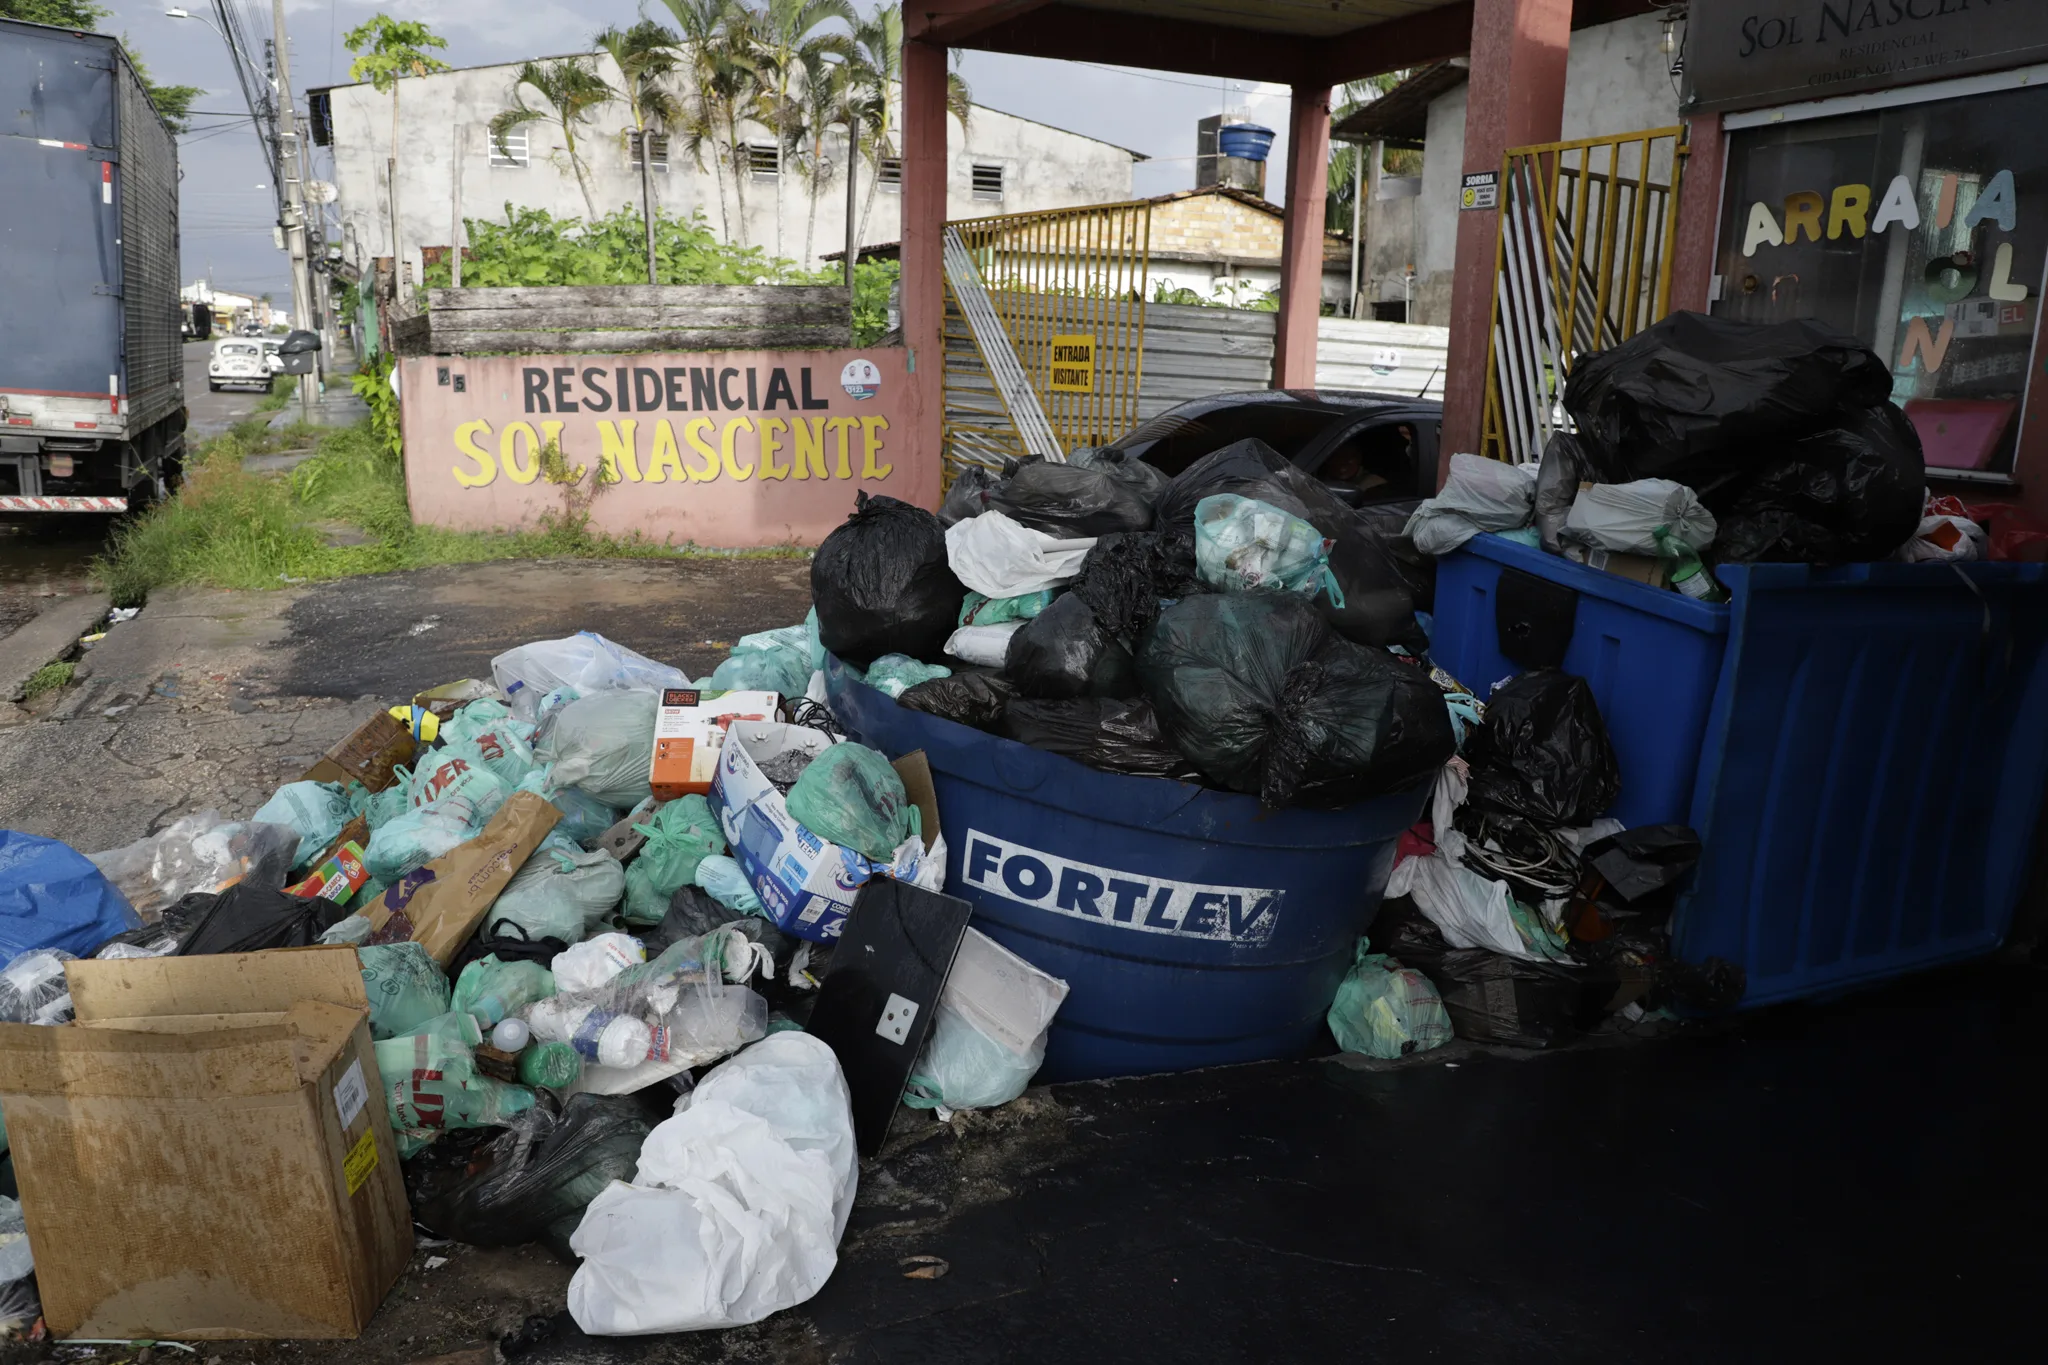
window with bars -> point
(510, 151)
(658, 144)
(891, 177)
(764, 159)
(988, 181)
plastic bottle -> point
(1688, 574)
(551, 1066)
(510, 1035)
(599, 1035)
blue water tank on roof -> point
(1246, 141)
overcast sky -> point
(226, 202)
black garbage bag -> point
(1493, 998)
(1638, 864)
(692, 913)
(543, 1173)
(881, 584)
(1387, 523)
(1697, 398)
(1069, 502)
(1543, 753)
(1258, 694)
(1064, 652)
(1146, 480)
(1850, 494)
(161, 939)
(1558, 478)
(968, 497)
(1114, 735)
(247, 919)
(508, 942)
(1379, 605)
(1126, 577)
(975, 699)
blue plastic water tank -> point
(1246, 141)
(1193, 928)
(1651, 656)
(1871, 773)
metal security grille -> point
(1586, 246)
(508, 149)
(1067, 289)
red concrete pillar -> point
(923, 278)
(1699, 214)
(1515, 99)
(1301, 239)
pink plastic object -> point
(1959, 433)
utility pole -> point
(646, 137)
(293, 161)
(852, 198)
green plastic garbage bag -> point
(478, 716)
(561, 892)
(721, 879)
(817, 646)
(603, 745)
(896, 674)
(416, 838)
(979, 610)
(504, 748)
(431, 1083)
(782, 671)
(463, 770)
(850, 795)
(679, 834)
(406, 987)
(1243, 544)
(489, 990)
(988, 1031)
(381, 808)
(1387, 1011)
(317, 810)
(353, 931)
(584, 817)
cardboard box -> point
(335, 878)
(440, 905)
(1645, 569)
(689, 732)
(379, 745)
(206, 1153)
(806, 883)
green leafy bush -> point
(532, 247)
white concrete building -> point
(449, 166)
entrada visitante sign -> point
(1745, 53)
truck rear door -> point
(60, 328)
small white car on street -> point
(237, 361)
(272, 359)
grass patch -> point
(280, 396)
(48, 678)
(230, 528)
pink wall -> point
(735, 448)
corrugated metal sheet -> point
(1192, 352)
(147, 194)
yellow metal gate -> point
(1067, 288)
(1586, 244)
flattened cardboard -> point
(369, 756)
(440, 905)
(205, 1154)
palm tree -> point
(571, 89)
(646, 56)
(721, 52)
(827, 101)
(792, 56)
(878, 44)
(387, 50)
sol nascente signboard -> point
(1746, 53)
(740, 448)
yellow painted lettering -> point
(486, 466)
(809, 452)
(844, 428)
(728, 457)
(664, 458)
(1850, 208)
(772, 429)
(697, 435)
(616, 441)
(1803, 210)
(508, 446)
(871, 429)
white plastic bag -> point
(1943, 539)
(603, 746)
(998, 557)
(596, 960)
(986, 646)
(988, 1034)
(738, 1205)
(1472, 911)
(1626, 518)
(561, 892)
(1480, 495)
(586, 661)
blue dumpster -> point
(1193, 928)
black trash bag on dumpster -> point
(1846, 495)
(1643, 863)
(1697, 398)
(975, 699)
(1543, 753)
(1558, 478)
(246, 919)
(1126, 577)
(1387, 523)
(1258, 694)
(543, 1172)
(1068, 502)
(1109, 733)
(1379, 605)
(1147, 481)
(969, 495)
(881, 584)
(1064, 652)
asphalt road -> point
(212, 413)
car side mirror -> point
(298, 343)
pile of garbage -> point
(1235, 626)
(1703, 441)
